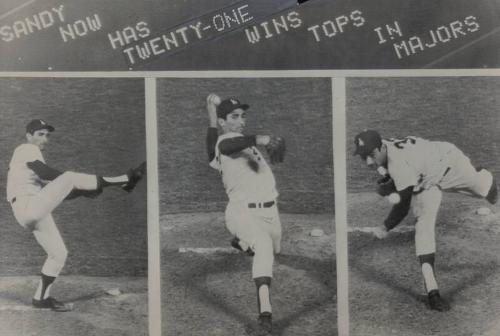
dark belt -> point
(261, 205)
(12, 201)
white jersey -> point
(246, 176)
(418, 162)
(21, 180)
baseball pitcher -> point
(252, 213)
(419, 170)
(34, 190)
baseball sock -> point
(43, 290)
(111, 181)
(263, 285)
(427, 264)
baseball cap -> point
(229, 105)
(366, 142)
(38, 124)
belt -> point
(444, 174)
(12, 201)
(261, 205)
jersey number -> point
(402, 143)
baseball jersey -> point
(414, 161)
(246, 175)
(21, 180)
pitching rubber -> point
(12, 307)
(209, 250)
(370, 229)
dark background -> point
(99, 129)
(296, 49)
(298, 109)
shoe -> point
(265, 321)
(492, 196)
(134, 176)
(235, 242)
(51, 303)
(436, 302)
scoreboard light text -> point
(32, 24)
(274, 27)
(140, 45)
(127, 35)
(80, 28)
(332, 28)
(435, 37)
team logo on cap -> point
(360, 142)
(233, 101)
(42, 122)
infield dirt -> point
(214, 294)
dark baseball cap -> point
(229, 105)
(38, 124)
(366, 142)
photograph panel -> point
(422, 205)
(74, 233)
(222, 235)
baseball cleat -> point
(134, 176)
(51, 303)
(436, 302)
(492, 196)
(235, 242)
(265, 321)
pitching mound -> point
(209, 291)
(386, 286)
(95, 312)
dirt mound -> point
(386, 288)
(94, 311)
(213, 293)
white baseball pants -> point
(261, 229)
(461, 177)
(34, 212)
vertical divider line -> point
(340, 187)
(154, 275)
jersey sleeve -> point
(28, 153)
(215, 162)
(235, 145)
(403, 175)
(401, 171)
(211, 141)
(43, 171)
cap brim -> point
(47, 127)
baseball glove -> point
(386, 186)
(276, 149)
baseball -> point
(394, 198)
(483, 211)
(316, 233)
(216, 100)
(113, 291)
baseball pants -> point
(261, 229)
(34, 212)
(464, 177)
(461, 177)
(425, 206)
